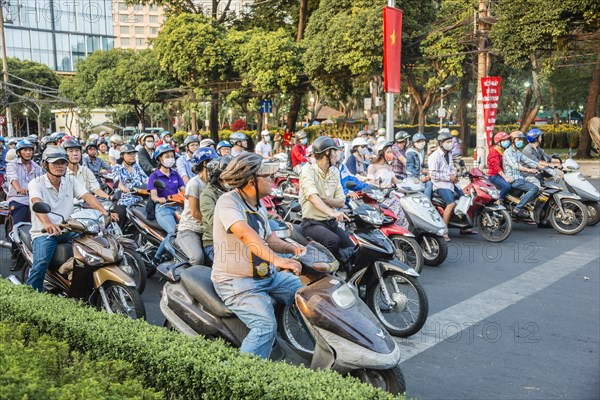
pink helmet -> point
(500, 136)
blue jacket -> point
(346, 176)
(413, 162)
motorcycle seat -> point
(63, 251)
(196, 280)
(515, 192)
(298, 236)
(140, 212)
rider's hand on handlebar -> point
(162, 200)
(52, 229)
(289, 264)
(353, 195)
(339, 216)
(453, 178)
(114, 217)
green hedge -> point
(37, 366)
(180, 366)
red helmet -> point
(500, 136)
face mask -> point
(150, 145)
(304, 141)
(267, 138)
(420, 145)
(168, 162)
(519, 144)
(505, 144)
(362, 150)
(447, 146)
(340, 156)
(311, 160)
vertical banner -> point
(392, 47)
(490, 90)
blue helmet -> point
(24, 144)
(165, 133)
(223, 143)
(204, 154)
(162, 149)
(533, 134)
(418, 136)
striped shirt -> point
(17, 171)
(512, 160)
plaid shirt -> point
(397, 165)
(511, 162)
(441, 168)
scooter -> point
(577, 183)
(343, 333)
(492, 220)
(88, 269)
(564, 211)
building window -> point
(124, 30)
(123, 6)
(140, 42)
(138, 7)
(139, 30)
(137, 18)
(153, 8)
(154, 19)
(124, 41)
(154, 31)
(124, 18)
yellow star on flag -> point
(393, 37)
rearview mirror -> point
(461, 163)
(41, 208)
(159, 184)
(350, 185)
(117, 195)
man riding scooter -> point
(245, 269)
(514, 163)
(534, 152)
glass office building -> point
(57, 32)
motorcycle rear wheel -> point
(409, 313)
(573, 220)
(391, 380)
(593, 213)
(134, 266)
(122, 300)
(501, 229)
(438, 252)
(408, 251)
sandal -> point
(468, 232)
(447, 238)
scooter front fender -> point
(396, 266)
(128, 243)
(494, 207)
(112, 273)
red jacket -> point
(494, 162)
(298, 154)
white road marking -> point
(475, 309)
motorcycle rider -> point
(345, 175)
(245, 270)
(380, 171)
(185, 161)
(114, 153)
(127, 175)
(165, 215)
(399, 151)
(208, 142)
(320, 195)
(93, 162)
(298, 153)
(224, 148)
(415, 163)
(456, 149)
(534, 152)
(239, 140)
(208, 201)
(53, 188)
(146, 154)
(514, 162)
(263, 148)
(356, 159)
(83, 174)
(495, 166)
(167, 138)
(102, 150)
(189, 230)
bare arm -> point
(155, 198)
(281, 246)
(194, 204)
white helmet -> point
(359, 141)
(444, 130)
(381, 132)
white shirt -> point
(60, 201)
(263, 149)
(114, 153)
(86, 177)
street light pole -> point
(9, 123)
(26, 114)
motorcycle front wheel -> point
(134, 266)
(408, 312)
(572, 220)
(293, 330)
(435, 249)
(390, 380)
(408, 251)
(593, 213)
(497, 228)
(122, 300)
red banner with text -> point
(392, 47)
(490, 90)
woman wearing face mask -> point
(145, 155)
(298, 153)
(165, 215)
(494, 162)
(415, 162)
(128, 175)
(356, 159)
(380, 171)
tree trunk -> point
(553, 107)
(526, 104)
(214, 117)
(585, 144)
(422, 110)
(302, 12)
(413, 117)
(141, 114)
(537, 98)
(292, 116)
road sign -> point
(266, 106)
(2, 120)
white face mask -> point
(420, 145)
(447, 146)
(267, 138)
(150, 145)
(168, 162)
(311, 160)
(362, 150)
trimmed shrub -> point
(37, 366)
(180, 366)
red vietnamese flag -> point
(392, 46)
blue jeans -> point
(530, 190)
(165, 216)
(252, 301)
(209, 251)
(43, 251)
(450, 196)
(428, 192)
(501, 184)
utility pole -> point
(9, 122)
(482, 68)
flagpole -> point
(389, 104)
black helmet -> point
(191, 139)
(71, 144)
(215, 168)
(322, 144)
(91, 144)
(241, 169)
(128, 148)
(444, 136)
(401, 136)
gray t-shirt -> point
(232, 258)
(188, 223)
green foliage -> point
(40, 367)
(182, 367)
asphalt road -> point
(515, 320)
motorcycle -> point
(343, 334)
(492, 220)
(577, 183)
(285, 178)
(87, 269)
(564, 211)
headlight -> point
(89, 258)
(344, 297)
(371, 217)
(90, 225)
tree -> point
(118, 77)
